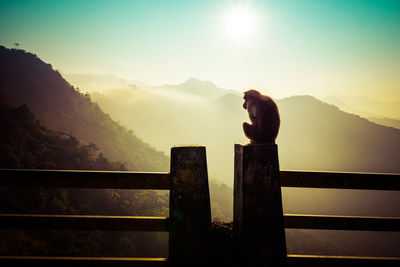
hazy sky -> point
(280, 47)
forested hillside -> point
(26, 143)
(47, 124)
(25, 79)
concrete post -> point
(190, 210)
(258, 216)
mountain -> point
(366, 107)
(181, 122)
(205, 89)
(193, 90)
(318, 136)
(341, 104)
(27, 144)
(370, 116)
(25, 79)
(313, 135)
(386, 121)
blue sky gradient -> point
(298, 47)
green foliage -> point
(26, 143)
(221, 197)
(25, 79)
(29, 86)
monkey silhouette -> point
(264, 117)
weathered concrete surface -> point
(190, 210)
(258, 216)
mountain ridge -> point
(366, 107)
(314, 135)
(25, 79)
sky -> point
(281, 47)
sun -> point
(239, 23)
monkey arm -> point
(248, 130)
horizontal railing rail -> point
(340, 180)
(161, 181)
(81, 261)
(84, 179)
(335, 261)
(188, 174)
(83, 222)
(330, 222)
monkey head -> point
(249, 97)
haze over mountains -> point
(384, 113)
(314, 135)
(192, 90)
(366, 107)
(25, 79)
(96, 83)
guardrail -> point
(259, 221)
(188, 223)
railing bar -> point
(83, 216)
(84, 179)
(340, 216)
(83, 222)
(319, 260)
(342, 257)
(83, 258)
(80, 261)
(334, 222)
(340, 180)
(160, 180)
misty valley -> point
(53, 120)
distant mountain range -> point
(25, 79)
(313, 135)
(383, 111)
(98, 82)
(387, 122)
(366, 107)
(327, 138)
(192, 90)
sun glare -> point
(239, 23)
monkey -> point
(264, 117)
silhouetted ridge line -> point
(25, 79)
